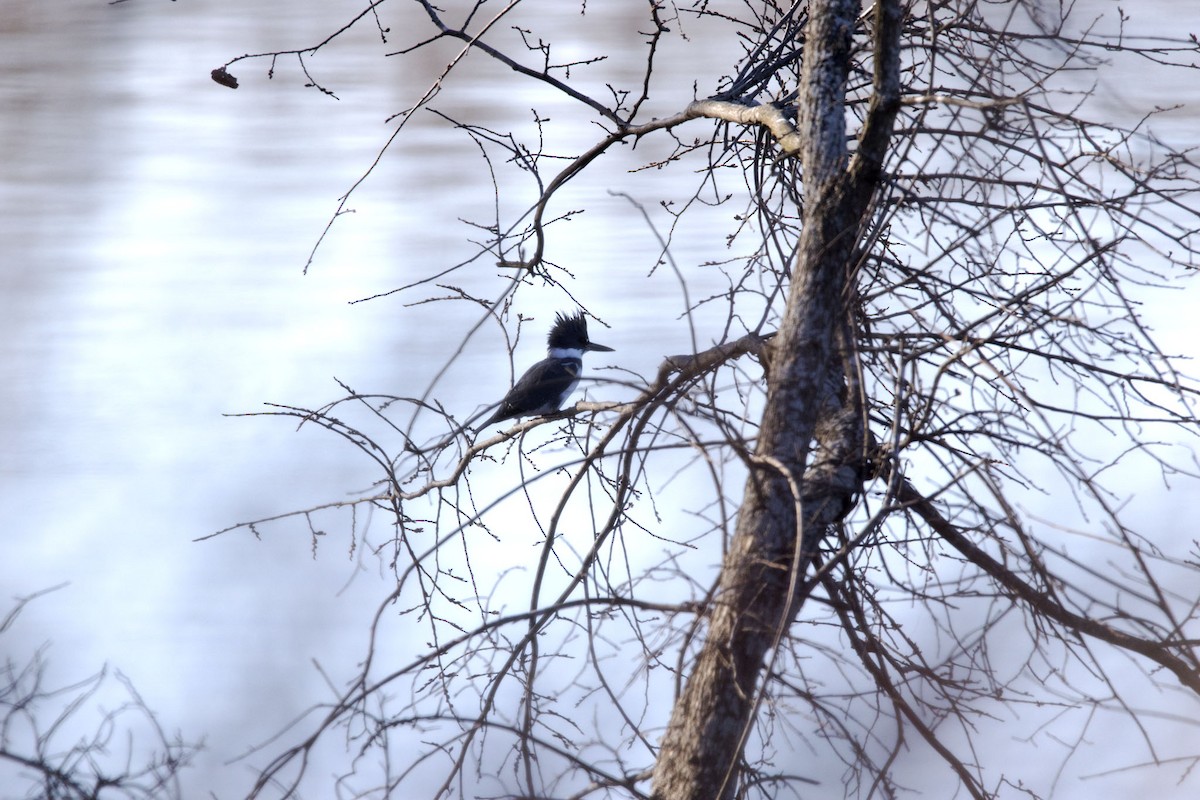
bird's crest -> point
(569, 330)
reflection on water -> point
(154, 226)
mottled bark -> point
(807, 400)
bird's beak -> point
(599, 348)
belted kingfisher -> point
(547, 384)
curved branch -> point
(1041, 602)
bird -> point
(547, 384)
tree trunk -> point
(790, 502)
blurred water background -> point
(153, 231)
